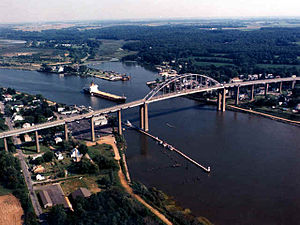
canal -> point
(255, 161)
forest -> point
(221, 53)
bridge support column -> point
(5, 144)
(293, 84)
(223, 100)
(119, 123)
(142, 120)
(237, 95)
(252, 93)
(146, 122)
(266, 89)
(92, 129)
(280, 87)
(66, 132)
(37, 141)
(219, 101)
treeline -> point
(174, 213)
(114, 207)
(11, 178)
(188, 46)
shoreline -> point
(269, 116)
(111, 140)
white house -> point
(59, 155)
(60, 109)
(76, 155)
(101, 121)
(57, 140)
(7, 98)
(27, 138)
(26, 125)
(36, 156)
(17, 118)
(40, 177)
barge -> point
(93, 91)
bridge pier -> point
(146, 119)
(219, 101)
(223, 99)
(280, 87)
(252, 93)
(37, 141)
(119, 122)
(5, 144)
(92, 129)
(237, 95)
(142, 122)
(266, 89)
(293, 84)
(66, 132)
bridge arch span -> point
(182, 82)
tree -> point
(57, 215)
(48, 156)
(83, 149)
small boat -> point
(128, 123)
(169, 125)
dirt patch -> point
(10, 210)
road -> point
(26, 174)
(35, 202)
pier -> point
(168, 146)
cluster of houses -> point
(17, 106)
(73, 109)
(75, 155)
(250, 77)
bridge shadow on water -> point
(199, 107)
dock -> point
(170, 147)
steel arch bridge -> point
(182, 85)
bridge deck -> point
(139, 102)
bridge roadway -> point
(15, 132)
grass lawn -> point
(28, 150)
(89, 182)
(102, 149)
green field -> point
(113, 49)
(277, 66)
(213, 63)
(298, 42)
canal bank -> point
(277, 118)
(256, 160)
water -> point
(255, 161)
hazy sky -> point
(57, 10)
